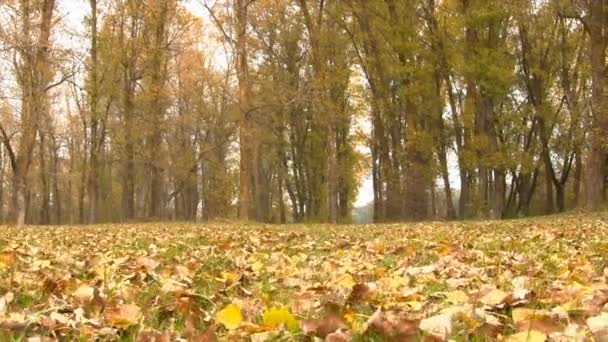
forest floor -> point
(519, 280)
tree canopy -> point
(277, 110)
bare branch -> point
(7, 142)
(219, 25)
(60, 82)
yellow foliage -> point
(275, 317)
(230, 316)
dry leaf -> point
(84, 293)
(124, 315)
(527, 336)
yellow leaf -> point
(351, 318)
(527, 336)
(275, 317)
(230, 316)
(396, 282)
(521, 314)
(524, 314)
(7, 259)
(346, 281)
(257, 266)
(414, 305)
(230, 277)
(494, 298)
(124, 315)
(457, 297)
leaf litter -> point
(539, 279)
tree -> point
(31, 48)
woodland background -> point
(307, 98)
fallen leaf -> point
(527, 336)
(598, 323)
(230, 277)
(359, 294)
(7, 259)
(494, 298)
(230, 317)
(346, 281)
(84, 293)
(148, 263)
(323, 327)
(457, 297)
(341, 335)
(600, 299)
(5, 301)
(124, 315)
(393, 325)
(275, 317)
(437, 325)
(208, 335)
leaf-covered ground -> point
(537, 279)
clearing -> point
(532, 279)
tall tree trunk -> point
(128, 181)
(82, 186)
(57, 198)
(578, 173)
(417, 181)
(93, 182)
(157, 84)
(45, 207)
(2, 171)
(245, 125)
(500, 190)
(322, 105)
(596, 160)
(332, 170)
(18, 193)
(33, 77)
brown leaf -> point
(546, 325)
(597, 303)
(208, 335)
(148, 336)
(341, 335)
(14, 324)
(359, 294)
(393, 325)
(124, 315)
(323, 327)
